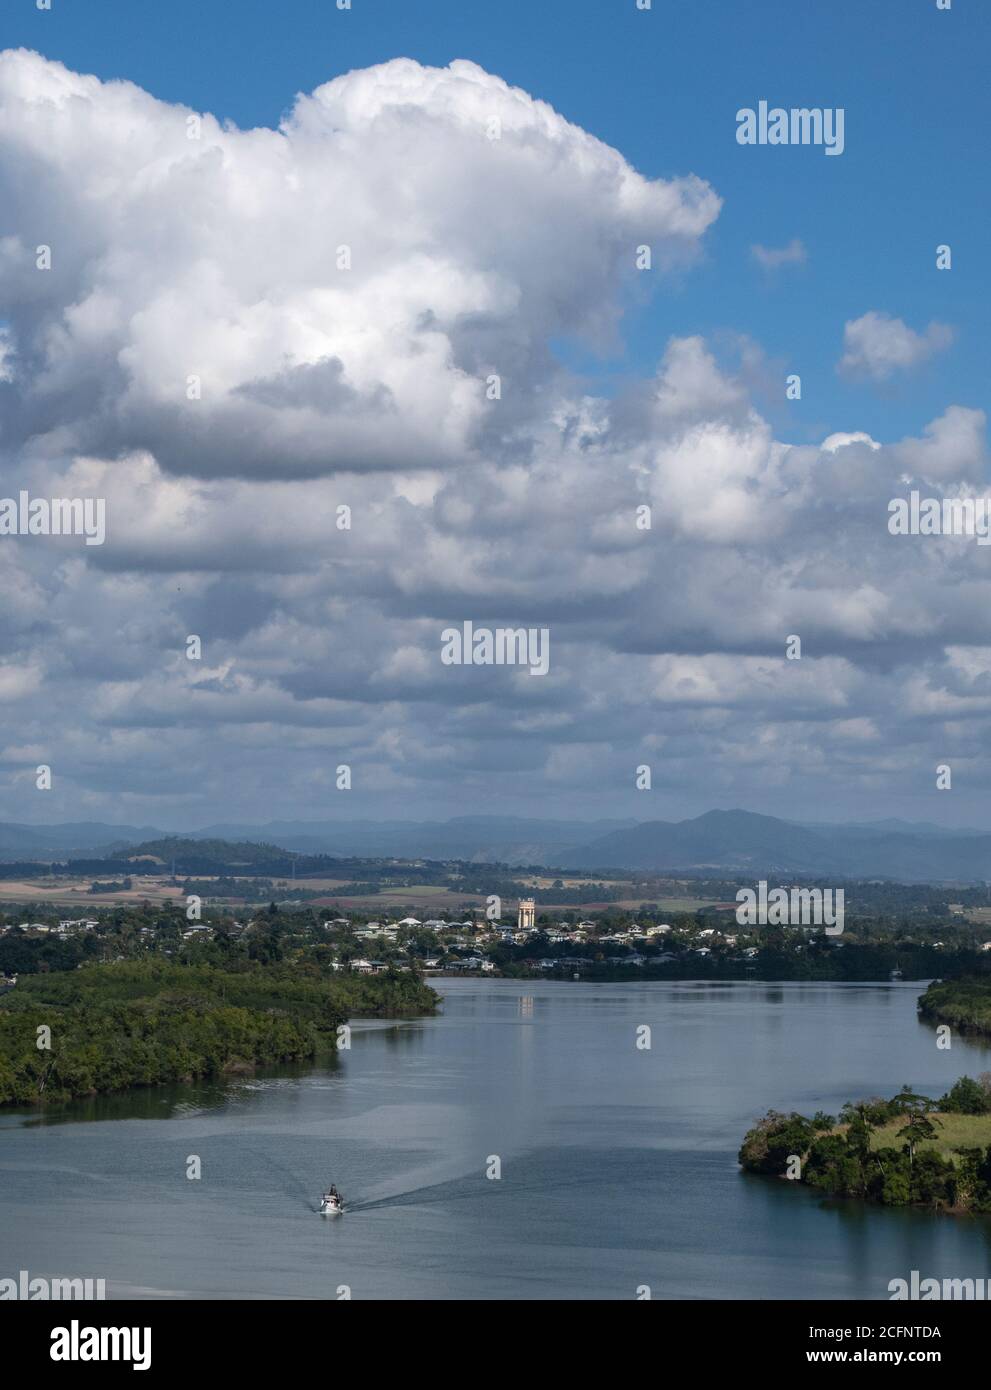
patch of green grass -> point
(953, 1132)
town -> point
(608, 943)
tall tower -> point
(526, 919)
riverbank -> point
(104, 1028)
(909, 1150)
(964, 1004)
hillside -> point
(734, 841)
(742, 840)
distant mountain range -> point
(716, 842)
(77, 838)
(743, 841)
(480, 839)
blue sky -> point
(663, 87)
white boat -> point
(330, 1204)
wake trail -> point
(292, 1186)
(458, 1190)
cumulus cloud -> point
(953, 448)
(318, 388)
(339, 290)
(877, 345)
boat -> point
(331, 1204)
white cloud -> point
(841, 440)
(220, 258)
(324, 387)
(773, 257)
(876, 345)
(954, 447)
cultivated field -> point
(75, 892)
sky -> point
(216, 260)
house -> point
(376, 929)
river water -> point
(617, 1163)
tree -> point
(966, 1097)
(860, 1132)
(916, 1131)
(908, 1101)
(896, 1191)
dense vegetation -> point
(140, 1023)
(780, 956)
(965, 1004)
(906, 1151)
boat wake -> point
(291, 1184)
(461, 1190)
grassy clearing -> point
(954, 1132)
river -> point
(617, 1163)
